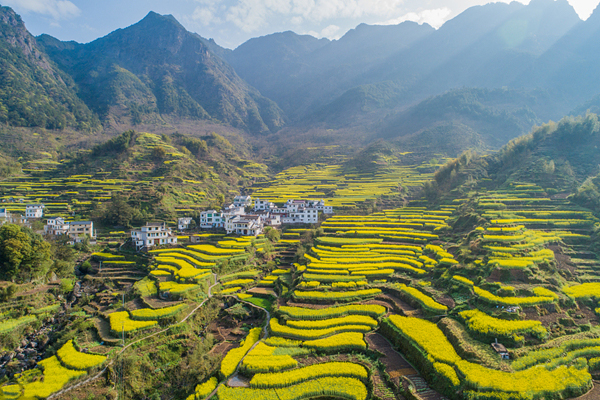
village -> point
(242, 217)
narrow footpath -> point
(99, 374)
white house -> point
(263, 205)
(242, 201)
(212, 219)
(79, 229)
(56, 226)
(34, 211)
(7, 218)
(247, 225)
(320, 205)
(301, 216)
(184, 223)
(232, 210)
(153, 234)
(268, 218)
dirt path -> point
(265, 335)
(593, 394)
(61, 392)
(395, 364)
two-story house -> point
(34, 211)
(184, 223)
(153, 234)
(212, 219)
(263, 205)
(79, 229)
(242, 201)
(246, 225)
(56, 226)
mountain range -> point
(483, 78)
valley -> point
(402, 213)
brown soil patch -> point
(155, 302)
(104, 330)
(311, 359)
(562, 260)
(222, 348)
(589, 316)
(400, 306)
(261, 290)
(447, 301)
(515, 275)
(95, 389)
(291, 303)
(38, 289)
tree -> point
(24, 254)
(272, 234)
(118, 212)
(237, 312)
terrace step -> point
(423, 389)
(90, 309)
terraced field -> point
(515, 277)
(404, 300)
(342, 188)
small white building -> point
(56, 226)
(242, 201)
(246, 225)
(7, 218)
(263, 205)
(212, 219)
(34, 211)
(232, 210)
(153, 234)
(301, 216)
(269, 218)
(79, 229)
(184, 223)
(320, 205)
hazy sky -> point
(232, 22)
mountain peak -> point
(154, 18)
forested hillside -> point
(33, 91)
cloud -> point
(584, 8)
(57, 9)
(435, 17)
(252, 15)
(206, 16)
(330, 32)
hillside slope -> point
(33, 91)
(157, 67)
(558, 157)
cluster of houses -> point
(32, 211)
(240, 218)
(76, 230)
(235, 219)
